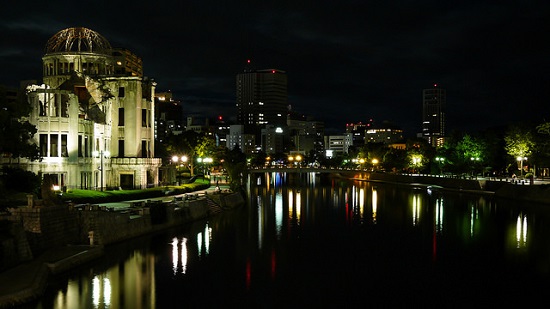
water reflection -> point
(298, 245)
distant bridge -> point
(303, 170)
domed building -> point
(94, 113)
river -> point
(305, 242)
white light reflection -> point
(361, 202)
(374, 204)
(290, 205)
(279, 215)
(184, 255)
(96, 291)
(107, 291)
(260, 227)
(199, 243)
(416, 204)
(298, 207)
(521, 231)
(472, 221)
(101, 292)
(175, 255)
(207, 238)
(439, 216)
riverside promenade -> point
(27, 281)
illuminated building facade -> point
(95, 115)
(434, 101)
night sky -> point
(347, 61)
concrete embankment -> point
(63, 237)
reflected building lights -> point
(298, 207)
(416, 205)
(361, 203)
(290, 206)
(207, 238)
(184, 253)
(175, 256)
(521, 231)
(260, 226)
(439, 216)
(199, 244)
(279, 215)
(101, 295)
(472, 221)
(374, 204)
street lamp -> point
(374, 162)
(440, 161)
(102, 154)
(361, 162)
(520, 160)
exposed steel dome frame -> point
(77, 39)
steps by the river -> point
(213, 207)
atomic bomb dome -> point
(78, 39)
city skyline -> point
(346, 62)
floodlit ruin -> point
(95, 115)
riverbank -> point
(99, 225)
(539, 192)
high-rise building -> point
(261, 99)
(94, 115)
(434, 101)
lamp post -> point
(474, 160)
(374, 162)
(101, 155)
(520, 160)
(440, 161)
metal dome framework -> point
(78, 39)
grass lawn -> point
(92, 196)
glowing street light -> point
(440, 161)
(374, 162)
(520, 161)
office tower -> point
(94, 115)
(433, 115)
(261, 99)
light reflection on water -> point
(300, 245)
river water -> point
(305, 242)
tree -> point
(16, 132)
(234, 163)
(519, 144)
(191, 144)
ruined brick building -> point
(94, 113)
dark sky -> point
(347, 61)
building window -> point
(121, 116)
(144, 149)
(121, 148)
(80, 155)
(43, 145)
(56, 105)
(54, 144)
(64, 151)
(143, 117)
(43, 108)
(88, 147)
(64, 105)
(121, 92)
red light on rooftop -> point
(273, 71)
(220, 117)
(435, 85)
(248, 61)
